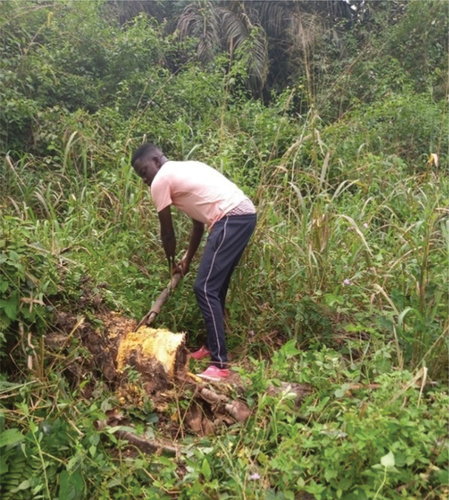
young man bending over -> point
(209, 199)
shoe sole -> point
(214, 379)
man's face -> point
(147, 168)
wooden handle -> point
(160, 301)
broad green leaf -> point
(289, 349)
(3, 466)
(116, 481)
(205, 470)
(24, 485)
(387, 460)
(443, 476)
(340, 393)
(71, 486)
(11, 436)
(3, 286)
(152, 418)
(11, 307)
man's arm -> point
(168, 236)
(194, 242)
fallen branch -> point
(238, 410)
(147, 446)
(212, 397)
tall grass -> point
(372, 256)
(326, 256)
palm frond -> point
(201, 20)
(254, 51)
(275, 17)
(259, 63)
(304, 30)
(126, 11)
(234, 30)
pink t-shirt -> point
(195, 188)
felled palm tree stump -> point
(158, 355)
(160, 358)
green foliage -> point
(28, 276)
(46, 455)
(419, 41)
(346, 440)
(397, 47)
(343, 287)
(342, 440)
(407, 125)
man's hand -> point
(182, 267)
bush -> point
(407, 125)
(29, 276)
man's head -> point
(147, 160)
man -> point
(211, 200)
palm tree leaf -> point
(201, 20)
(258, 60)
(233, 29)
(275, 17)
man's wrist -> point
(171, 263)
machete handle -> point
(160, 301)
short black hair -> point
(146, 149)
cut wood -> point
(238, 410)
(157, 354)
(212, 397)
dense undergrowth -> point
(343, 288)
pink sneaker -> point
(215, 373)
(203, 352)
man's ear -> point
(157, 161)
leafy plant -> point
(28, 276)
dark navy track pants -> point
(224, 247)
